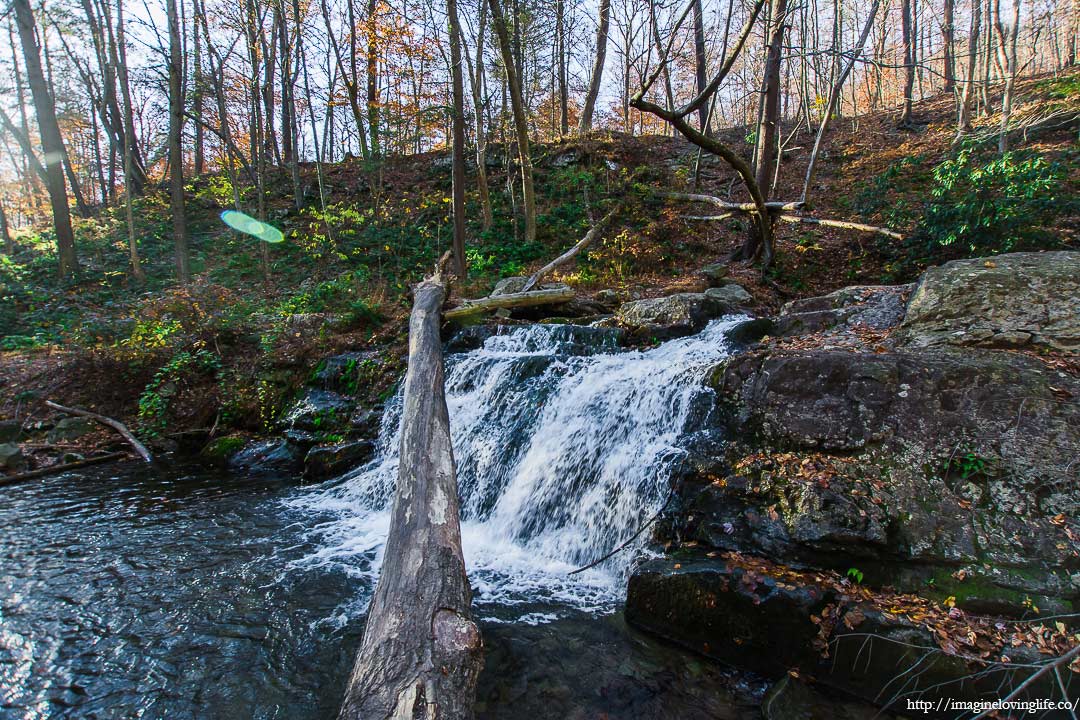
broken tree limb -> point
(511, 300)
(62, 467)
(421, 653)
(114, 424)
(842, 224)
(570, 254)
(779, 210)
(772, 207)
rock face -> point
(897, 438)
(319, 411)
(330, 460)
(1017, 300)
(681, 313)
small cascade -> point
(564, 445)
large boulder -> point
(919, 465)
(681, 313)
(273, 455)
(881, 647)
(1017, 300)
(71, 428)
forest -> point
(554, 358)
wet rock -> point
(679, 314)
(926, 468)
(10, 430)
(273, 455)
(1016, 300)
(791, 699)
(329, 460)
(318, 411)
(341, 373)
(470, 338)
(754, 617)
(366, 421)
(223, 448)
(725, 611)
(71, 428)
(11, 457)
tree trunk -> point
(128, 140)
(476, 82)
(176, 156)
(1007, 56)
(458, 132)
(756, 246)
(948, 32)
(197, 104)
(560, 59)
(834, 98)
(585, 122)
(521, 120)
(422, 652)
(5, 233)
(700, 70)
(963, 116)
(373, 79)
(909, 62)
(51, 140)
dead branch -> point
(62, 467)
(779, 210)
(114, 424)
(550, 296)
(570, 254)
(842, 224)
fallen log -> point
(572, 252)
(550, 296)
(421, 652)
(773, 206)
(114, 424)
(62, 467)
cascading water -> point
(564, 447)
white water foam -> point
(564, 448)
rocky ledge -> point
(897, 489)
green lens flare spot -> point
(244, 223)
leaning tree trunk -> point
(421, 652)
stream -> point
(188, 592)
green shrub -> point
(987, 208)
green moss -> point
(223, 447)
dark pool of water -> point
(133, 592)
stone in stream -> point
(326, 461)
(681, 313)
(10, 430)
(11, 457)
(268, 456)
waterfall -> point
(564, 446)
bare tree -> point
(521, 120)
(1006, 47)
(176, 156)
(585, 123)
(51, 140)
(458, 132)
